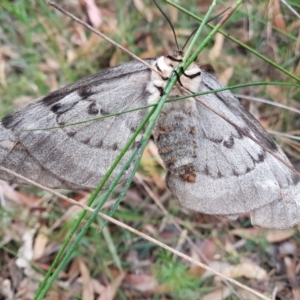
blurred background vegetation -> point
(42, 50)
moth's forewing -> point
(75, 156)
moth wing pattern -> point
(76, 156)
(214, 168)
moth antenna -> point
(211, 19)
(168, 22)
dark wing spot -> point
(219, 174)
(261, 157)
(163, 130)
(271, 144)
(132, 129)
(136, 144)
(295, 179)
(71, 133)
(164, 150)
(190, 178)
(235, 173)
(55, 107)
(86, 141)
(178, 118)
(92, 109)
(192, 130)
(218, 141)
(229, 143)
(206, 170)
(53, 97)
(115, 146)
(104, 112)
(6, 121)
(170, 163)
(100, 144)
(61, 123)
(85, 92)
(248, 170)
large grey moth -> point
(216, 166)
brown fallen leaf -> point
(246, 269)
(226, 75)
(276, 236)
(87, 288)
(110, 290)
(218, 294)
(292, 276)
(248, 233)
(94, 13)
(277, 18)
(141, 282)
(216, 50)
(40, 243)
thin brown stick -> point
(139, 233)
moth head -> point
(175, 59)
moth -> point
(214, 167)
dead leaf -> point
(110, 290)
(74, 270)
(276, 93)
(94, 13)
(218, 266)
(25, 252)
(226, 75)
(140, 6)
(244, 294)
(249, 233)
(218, 294)
(150, 166)
(6, 289)
(287, 248)
(275, 236)
(246, 269)
(87, 288)
(98, 287)
(40, 243)
(141, 282)
(278, 19)
(216, 50)
(292, 277)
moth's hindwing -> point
(215, 168)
